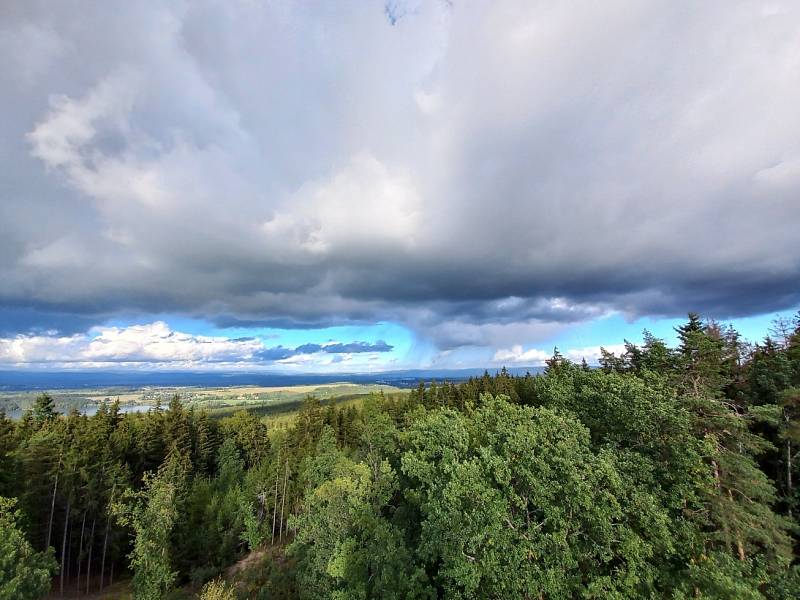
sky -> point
(359, 186)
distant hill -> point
(53, 380)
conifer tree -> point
(7, 460)
(656, 356)
(790, 432)
(24, 573)
(205, 445)
(44, 410)
(793, 351)
(555, 364)
(740, 497)
(176, 427)
(609, 362)
(769, 373)
(786, 419)
(632, 359)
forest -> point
(664, 472)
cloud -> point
(485, 173)
(340, 348)
(592, 353)
(516, 355)
(156, 345)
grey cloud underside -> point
(280, 353)
(345, 348)
(460, 170)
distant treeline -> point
(664, 473)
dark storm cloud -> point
(13, 320)
(470, 170)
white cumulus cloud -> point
(157, 346)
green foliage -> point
(345, 547)
(152, 514)
(666, 473)
(209, 533)
(250, 435)
(229, 461)
(253, 533)
(514, 503)
(24, 573)
(44, 410)
(719, 575)
(7, 459)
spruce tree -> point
(44, 410)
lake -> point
(90, 410)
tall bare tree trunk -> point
(64, 564)
(89, 560)
(283, 500)
(789, 486)
(52, 507)
(275, 504)
(69, 549)
(80, 551)
(739, 545)
(105, 538)
(103, 562)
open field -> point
(216, 400)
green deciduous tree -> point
(514, 503)
(345, 545)
(151, 513)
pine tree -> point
(555, 364)
(44, 410)
(769, 373)
(740, 497)
(632, 359)
(609, 362)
